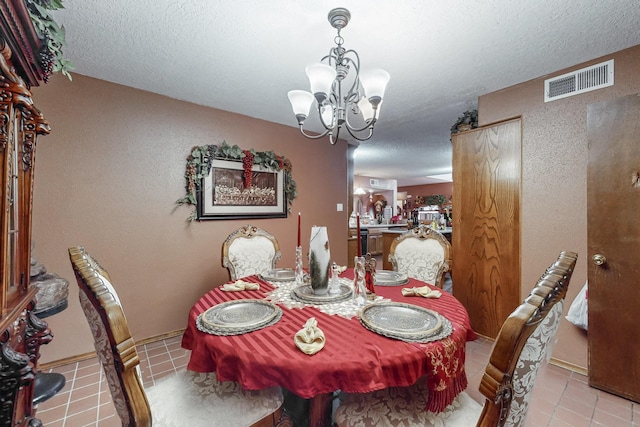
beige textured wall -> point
(554, 176)
(108, 177)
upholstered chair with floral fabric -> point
(184, 399)
(249, 250)
(523, 343)
(421, 253)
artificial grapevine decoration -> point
(199, 165)
(247, 164)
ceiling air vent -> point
(579, 81)
(374, 182)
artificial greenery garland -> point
(51, 36)
(201, 158)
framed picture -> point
(225, 195)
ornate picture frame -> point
(224, 193)
(239, 169)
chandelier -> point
(341, 100)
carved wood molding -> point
(19, 33)
(14, 93)
(16, 371)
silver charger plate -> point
(238, 317)
(405, 322)
(278, 275)
(305, 293)
(390, 278)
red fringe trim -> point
(440, 399)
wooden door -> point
(486, 223)
(613, 199)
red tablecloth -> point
(353, 359)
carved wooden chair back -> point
(517, 354)
(524, 340)
(186, 398)
(421, 253)
(249, 250)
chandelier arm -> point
(320, 135)
(367, 125)
(334, 139)
(353, 134)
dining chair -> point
(249, 250)
(184, 399)
(519, 350)
(421, 253)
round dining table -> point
(354, 359)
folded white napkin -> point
(424, 291)
(240, 285)
(310, 339)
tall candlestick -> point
(358, 234)
(299, 229)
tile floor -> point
(85, 399)
(561, 398)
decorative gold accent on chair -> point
(249, 250)
(517, 354)
(421, 253)
(184, 399)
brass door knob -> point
(599, 259)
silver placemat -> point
(278, 275)
(305, 293)
(405, 322)
(238, 317)
(390, 278)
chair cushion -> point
(420, 259)
(198, 399)
(404, 407)
(251, 256)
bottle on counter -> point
(443, 222)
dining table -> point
(354, 359)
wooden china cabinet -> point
(21, 332)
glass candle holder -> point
(334, 282)
(298, 270)
(359, 286)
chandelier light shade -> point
(344, 95)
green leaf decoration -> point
(51, 35)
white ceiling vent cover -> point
(579, 81)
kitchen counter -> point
(445, 231)
(379, 226)
(371, 236)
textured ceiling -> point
(243, 56)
